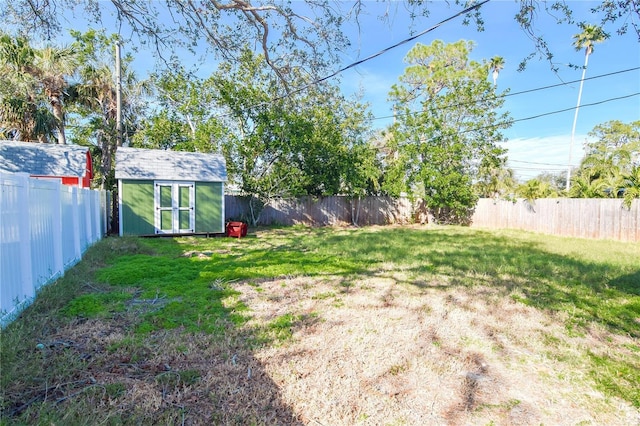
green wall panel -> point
(209, 207)
(137, 207)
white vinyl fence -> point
(45, 227)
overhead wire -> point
(572, 108)
(505, 95)
(409, 39)
(533, 162)
(368, 58)
(508, 122)
(400, 43)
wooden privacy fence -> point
(322, 211)
(601, 218)
(575, 217)
(45, 227)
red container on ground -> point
(236, 229)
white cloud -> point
(531, 156)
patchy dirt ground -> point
(380, 352)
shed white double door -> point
(174, 207)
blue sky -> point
(543, 140)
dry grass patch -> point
(379, 352)
(398, 325)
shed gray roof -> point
(43, 159)
(142, 164)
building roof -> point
(43, 159)
(156, 164)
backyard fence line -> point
(328, 211)
(45, 227)
(599, 218)
(574, 217)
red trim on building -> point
(71, 181)
(86, 180)
(83, 182)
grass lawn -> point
(333, 326)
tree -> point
(278, 27)
(631, 185)
(305, 36)
(93, 100)
(496, 65)
(534, 189)
(447, 129)
(53, 67)
(312, 142)
(616, 143)
(24, 111)
(42, 73)
(186, 117)
(609, 166)
(590, 35)
(496, 182)
(585, 187)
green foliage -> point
(618, 375)
(590, 35)
(312, 142)
(610, 166)
(96, 304)
(187, 118)
(447, 130)
(34, 83)
(287, 39)
(591, 284)
(544, 186)
(496, 181)
(174, 379)
(92, 101)
(280, 328)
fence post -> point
(58, 260)
(76, 224)
(87, 214)
(97, 217)
(26, 284)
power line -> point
(420, 34)
(570, 82)
(510, 94)
(572, 108)
(509, 122)
(529, 169)
(368, 58)
(533, 162)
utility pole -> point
(118, 95)
(575, 120)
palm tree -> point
(52, 67)
(33, 78)
(96, 94)
(23, 119)
(585, 187)
(23, 113)
(590, 35)
(496, 64)
(631, 186)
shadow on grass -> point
(135, 335)
(156, 329)
(603, 292)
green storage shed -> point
(170, 192)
